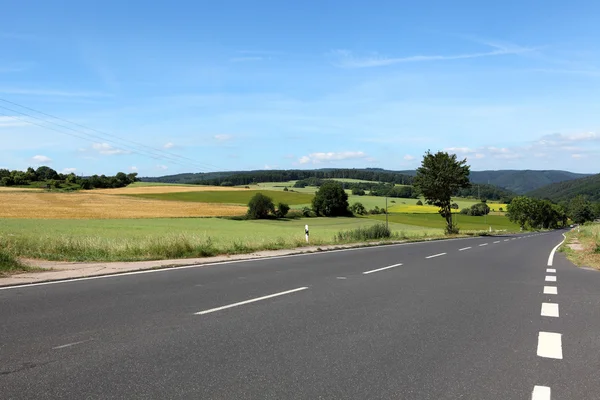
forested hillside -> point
(564, 191)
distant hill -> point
(518, 181)
(523, 181)
(589, 186)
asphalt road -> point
(457, 319)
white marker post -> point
(306, 232)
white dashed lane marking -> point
(550, 290)
(550, 345)
(497, 241)
(250, 301)
(381, 269)
(436, 255)
(483, 244)
(550, 278)
(551, 270)
(540, 393)
(549, 310)
(464, 248)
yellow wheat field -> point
(164, 189)
(92, 205)
(18, 189)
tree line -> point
(543, 214)
(48, 177)
(247, 178)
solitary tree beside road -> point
(438, 178)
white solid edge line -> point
(213, 264)
(381, 269)
(550, 290)
(551, 270)
(551, 257)
(550, 278)
(436, 255)
(550, 345)
(250, 301)
(549, 310)
(484, 244)
(540, 393)
(464, 248)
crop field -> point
(164, 238)
(161, 189)
(229, 197)
(91, 205)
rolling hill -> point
(518, 181)
(589, 186)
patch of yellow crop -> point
(18, 189)
(164, 189)
(413, 209)
(89, 205)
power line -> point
(137, 148)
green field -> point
(165, 238)
(464, 222)
(230, 197)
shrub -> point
(374, 211)
(358, 191)
(358, 209)
(454, 206)
(451, 229)
(285, 189)
(306, 211)
(260, 206)
(295, 214)
(282, 210)
(465, 211)
(419, 203)
(378, 231)
(393, 201)
(226, 183)
(500, 209)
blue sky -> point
(231, 85)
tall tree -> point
(330, 200)
(438, 178)
(580, 210)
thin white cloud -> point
(40, 159)
(162, 167)
(168, 145)
(318, 158)
(246, 59)
(133, 168)
(408, 157)
(459, 150)
(69, 170)
(269, 167)
(56, 93)
(223, 137)
(107, 150)
(12, 122)
(346, 59)
(577, 155)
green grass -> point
(10, 264)
(230, 197)
(464, 222)
(144, 184)
(166, 238)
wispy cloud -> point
(10, 122)
(347, 59)
(133, 168)
(246, 59)
(107, 150)
(40, 159)
(69, 170)
(58, 93)
(408, 157)
(318, 158)
(168, 145)
(162, 167)
(222, 137)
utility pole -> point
(386, 215)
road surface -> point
(479, 318)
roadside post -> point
(306, 232)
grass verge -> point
(582, 247)
(9, 264)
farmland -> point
(163, 238)
(156, 221)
